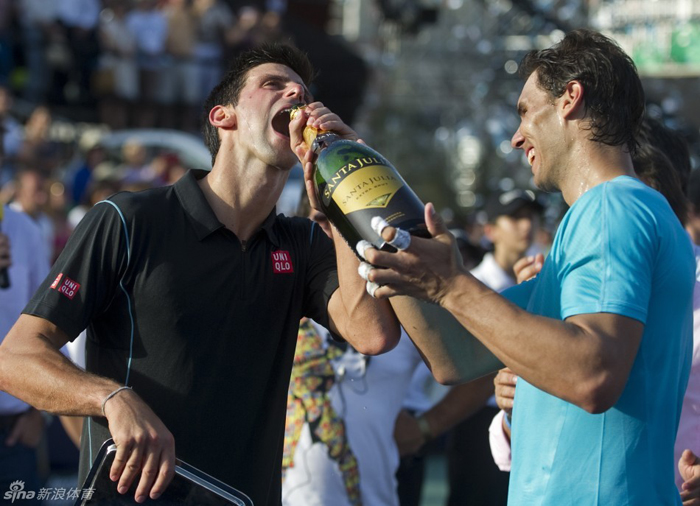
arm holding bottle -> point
(351, 303)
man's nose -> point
(296, 90)
(517, 140)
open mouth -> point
(280, 123)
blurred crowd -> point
(142, 63)
(56, 183)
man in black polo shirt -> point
(192, 296)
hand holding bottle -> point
(318, 118)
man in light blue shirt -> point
(601, 338)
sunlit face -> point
(515, 232)
(539, 135)
(262, 113)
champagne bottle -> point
(355, 183)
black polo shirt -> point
(201, 326)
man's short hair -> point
(613, 93)
(228, 91)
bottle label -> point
(370, 188)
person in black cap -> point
(513, 217)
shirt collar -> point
(200, 212)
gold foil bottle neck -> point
(310, 133)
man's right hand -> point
(504, 383)
(144, 446)
(528, 267)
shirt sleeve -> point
(86, 276)
(500, 445)
(520, 294)
(609, 259)
(322, 276)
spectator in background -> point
(149, 27)
(36, 17)
(32, 197)
(83, 176)
(120, 80)
(37, 148)
(23, 252)
(135, 166)
(7, 18)
(96, 191)
(78, 19)
(215, 18)
(12, 136)
(180, 96)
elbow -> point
(382, 341)
(448, 377)
(598, 395)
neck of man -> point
(592, 163)
(242, 195)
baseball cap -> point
(510, 202)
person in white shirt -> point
(22, 252)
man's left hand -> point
(320, 117)
(407, 434)
(689, 467)
(28, 429)
(425, 270)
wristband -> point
(112, 395)
(424, 427)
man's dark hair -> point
(612, 91)
(671, 143)
(655, 169)
(227, 92)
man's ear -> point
(571, 103)
(222, 117)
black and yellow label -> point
(372, 187)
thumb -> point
(685, 464)
(435, 223)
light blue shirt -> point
(29, 268)
(619, 249)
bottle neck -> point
(323, 140)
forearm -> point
(34, 370)
(370, 325)
(574, 360)
(461, 402)
(450, 351)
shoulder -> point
(300, 229)
(140, 203)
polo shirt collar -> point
(200, 212)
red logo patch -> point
(55, 281)
(68, 287)
(282, 262)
